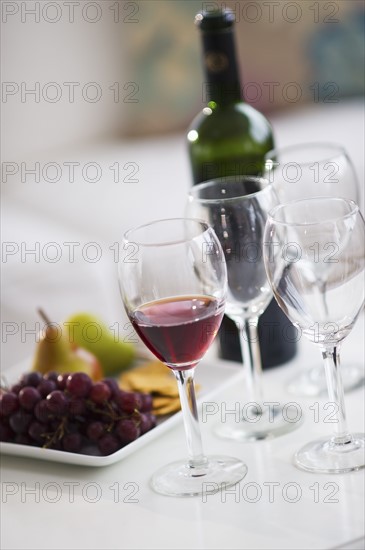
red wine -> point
(179, 330)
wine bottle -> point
(227, 138)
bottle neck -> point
(222, 82)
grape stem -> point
(57, 434)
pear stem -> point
(44, 316)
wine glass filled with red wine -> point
(173, 282)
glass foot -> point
(325, 456)
(257, 423)
(312, 382)
(178, 479)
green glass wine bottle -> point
(227, 138)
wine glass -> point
(173, 282)
(236, 207)
(305, 171)
(306, 241)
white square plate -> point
(212, 375)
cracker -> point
(154, 377)
(157, 379)
(170, 406)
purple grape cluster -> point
(72, 413)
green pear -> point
(54, 353)
(89, 332)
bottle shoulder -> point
(238, 121)
(231, 119)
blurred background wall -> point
(68, 54)
(114, 84)
(76, 72)
(290, 53)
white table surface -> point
(83, 212)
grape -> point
(57, 402)
(37, 431)
(19, 421)
(147, 402)
(31, 379)
(113, 385)
(100, 392)
(72, 442)
(108, 444)
(137, 400)
(127, 430)
(95, 430)
(23, 439)
(8, 403)
(73, 427)
(15, 388)
(46, 386)
(145, 423)
(54, 424)
(61, 381)
(128, 402)
(42, 412)
(77, 406)
(28, 397)
(6, 433)
(153, 420)
(79, 384)
(52, 375)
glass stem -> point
(250, 349)
(185, 382)
(331, 360)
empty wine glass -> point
(305, 171)
(173, 283)
(236, 207)
(307, 241)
